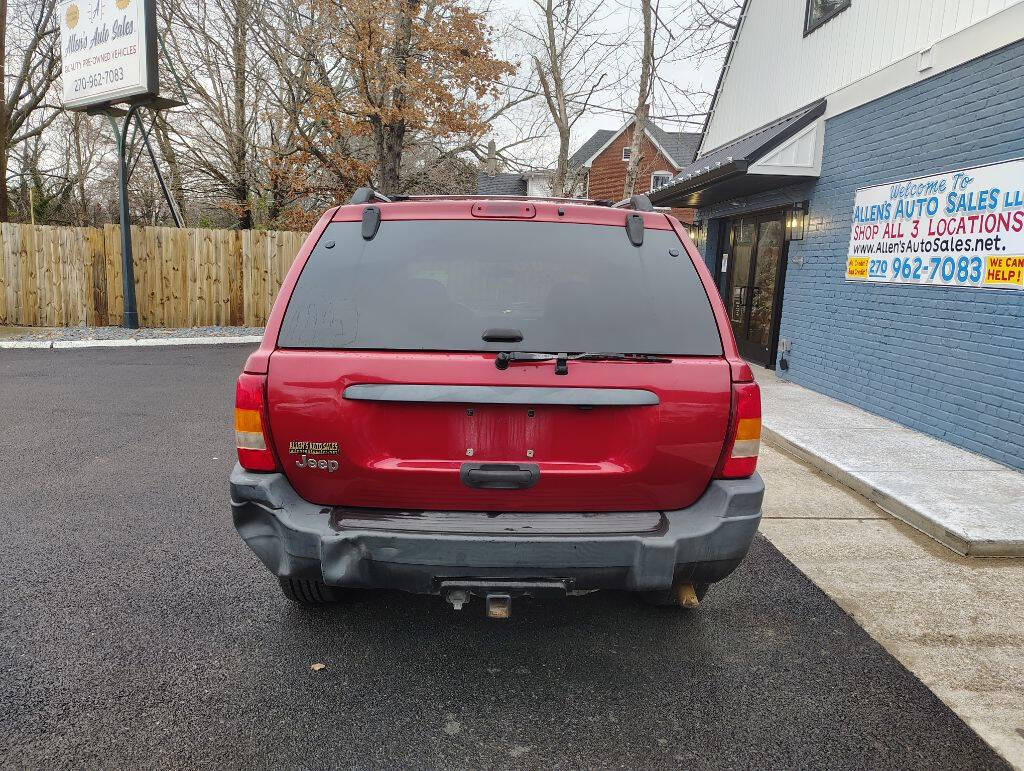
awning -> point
(780, 153)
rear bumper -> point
(298, 539)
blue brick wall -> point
(948, 362)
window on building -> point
(820, 11)
(626, 152)
(659, 179)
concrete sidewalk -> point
(973, 505)
(956, 622)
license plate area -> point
(510, 523)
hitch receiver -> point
(499, 605)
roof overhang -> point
(737, 186)
(786, 151)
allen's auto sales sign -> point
(958, 229)
(106, 52)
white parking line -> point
(127, 343)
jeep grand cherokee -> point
(497, 398)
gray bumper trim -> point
(293, 537)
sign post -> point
(109, 57)
(131, 312)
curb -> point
(130, 342)
(916, 518)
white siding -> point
(774, 69)
(538, 186)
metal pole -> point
(175, 214)
(131, 313)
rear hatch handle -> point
(499, 476)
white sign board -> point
(108, 50)
(961, 228)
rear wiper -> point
(621, 357)
(504, 358)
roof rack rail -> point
(502, 197)
(636, 203)
(368, 195)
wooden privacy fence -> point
(183, 277)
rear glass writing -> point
(438, 285)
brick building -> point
(598, 168)
(601, 163)
(866, 222)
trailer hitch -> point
(498, 594)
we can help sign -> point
(961, 228)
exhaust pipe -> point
(686, 595)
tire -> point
(307, 592)
(666, 598)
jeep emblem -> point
(312, 463)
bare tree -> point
(85, 149)
(439, 163)
(225, 84)
(567, 40)
(29, 64)
(694, 31)
(308, 155)
(293, 103)
(697, 32)
(705, 28)
(643, 95)
(175, 180)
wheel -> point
(667, 598)
(307, 592)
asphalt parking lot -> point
(137, 629)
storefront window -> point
(820, 11)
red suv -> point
(494, 398)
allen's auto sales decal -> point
(313, 448)
(958, 229)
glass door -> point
(738, 272)
(754, 273)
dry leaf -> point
(318, 666)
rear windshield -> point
(439, 284)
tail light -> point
(739, 459)
(251, 436)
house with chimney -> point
(601, 163)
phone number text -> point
(99, 79)
(944, 270)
